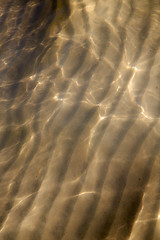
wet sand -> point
(79, 120)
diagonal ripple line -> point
(21, 173)
(54, 236)
(89, 212)
(81, 230)
(79, 138)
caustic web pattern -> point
(79, 120)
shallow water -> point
(79, 120)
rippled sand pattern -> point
(79, 120)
